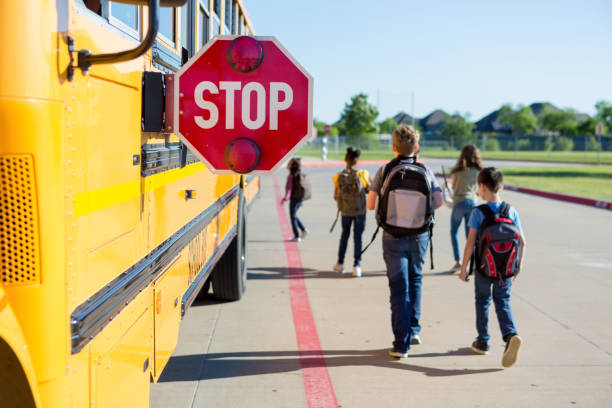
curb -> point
(602, 204)
(342, 163)
(605, 205)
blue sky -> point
(460, 56)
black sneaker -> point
(513, 345)
(480, 347)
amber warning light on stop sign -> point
(243, 104)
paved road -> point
(245, 354)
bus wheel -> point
(230, 274)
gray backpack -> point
(405, 205)
(350, 194)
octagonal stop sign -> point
(243, 104)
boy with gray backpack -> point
(350, 194)
(407, 194)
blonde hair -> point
(405, 139)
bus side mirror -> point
(162, 3)
(85, 59)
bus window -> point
(216, 11)
(167, 24)
(203, 27)
(234, 27)
(228, 16)
(184, 18)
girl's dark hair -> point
(352, 155)
(470, 157)
(295, 165)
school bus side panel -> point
(105, 128)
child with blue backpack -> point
(496, 247)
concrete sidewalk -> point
(244, 354)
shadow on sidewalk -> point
(276, 272)
(197, 367)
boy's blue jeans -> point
(501, 298)
(461, 211)
(404, 258)
(359, 222)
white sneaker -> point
(294, 239)
(398, 354)
(304, 234)
(357, 271)
(338, 268)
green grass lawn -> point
(586, 181)
(567, 157)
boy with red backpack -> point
(496, 247)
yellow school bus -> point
(109, 226)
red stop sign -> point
(243, 104)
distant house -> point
(403, 118)
(542, 108)
(434, 122)
(491, 124)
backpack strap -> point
(504, 211)
(372, 240)
(486, 210)
(335, 221)
(431, 246)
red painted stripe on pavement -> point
(317, 384)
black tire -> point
(230, 274)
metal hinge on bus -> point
(79, 58)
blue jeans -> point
(296, 224)
(359, 222)
(404, 258)
(501, 298)
(461, 211)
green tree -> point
(563, 143)
(604, 113)
(587, 127)
(320, 126)
(387, 126)
(521, 121)
(359, 117)
(562, 121)
(459, 130)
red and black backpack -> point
(498, 246)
